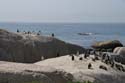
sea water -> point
(90, 32)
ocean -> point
(83, 34)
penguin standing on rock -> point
(58, 54)
(89, 66)
(80, 58)
(85, 55)
(73, 58)
(38, 33)
(18, 31)
(29, 32)
(53, 34)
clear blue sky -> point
(62, 11)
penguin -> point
(18, 31)
(73, 58)
(89, 66)
(38, 33)
(103, 67)
(80, 58)
(53, 35)
(58, 54)
(28, 32)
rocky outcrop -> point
(107, 44)
(79, 69)
(59, 70)
(31, 73)
(121, 54)
(29, 48)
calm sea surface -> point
(69, 31)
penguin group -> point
(29, 32)
(33, 32)
(105, 57)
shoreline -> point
(27, 57)
(69, 32)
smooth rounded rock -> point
(107, 44)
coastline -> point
(69, 31)
(31, 57)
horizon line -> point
(66, 22)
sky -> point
(103, 11)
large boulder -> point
(116, 50)
(121, 54)
(29, 48)
(107, 44)
(30, 73)
(120, 51)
